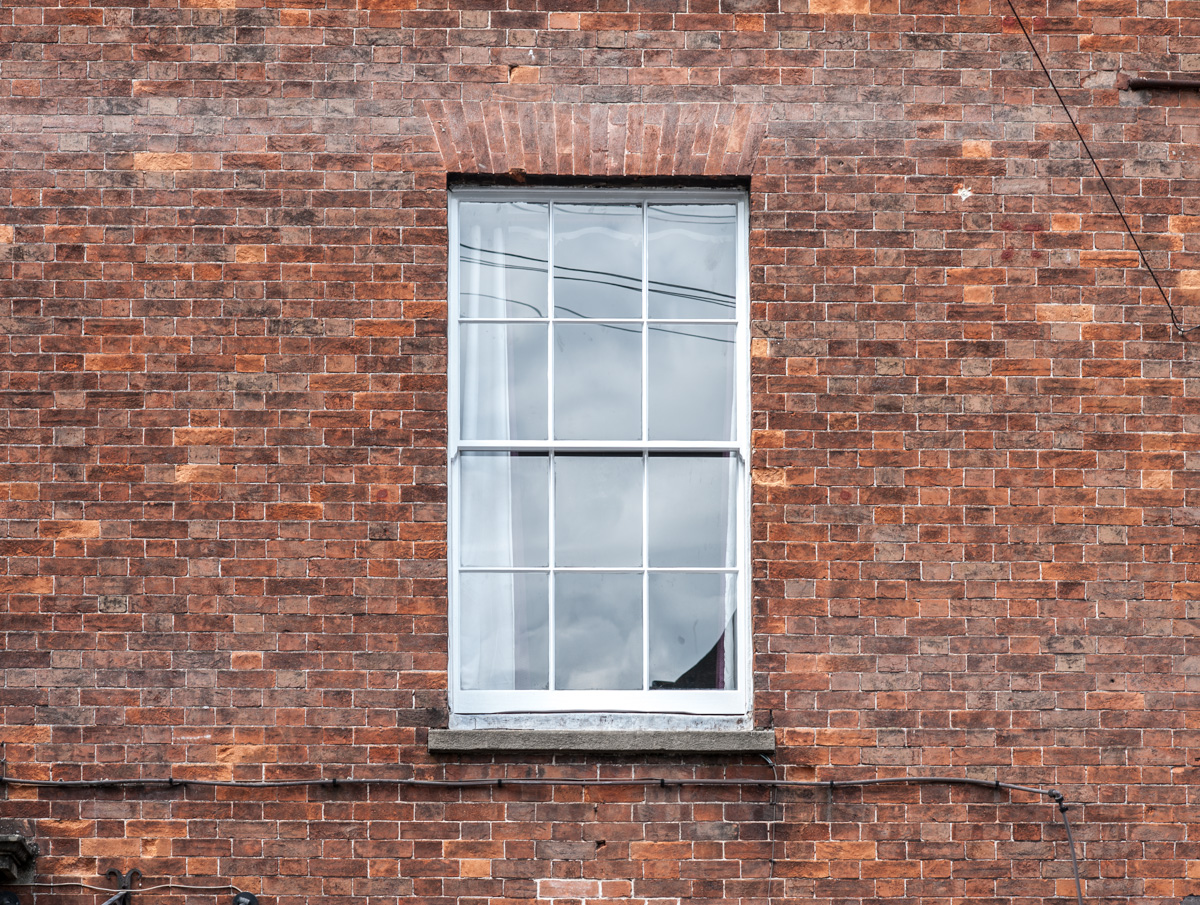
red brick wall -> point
(222, 404)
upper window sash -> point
(534, 348)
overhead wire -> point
(1175, 321)
(619, 281)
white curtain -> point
(489, 660)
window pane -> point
(598, 630)
(504, 386)
(598, 510)
(504, 509)
(691, 630)
(691, 504)
(504, 630)
(693, 260)
(597, 381)
(692, 382)
(502, 259)
(598, 260)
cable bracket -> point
(124, 895)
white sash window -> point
(598, 451)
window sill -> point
(621, 741)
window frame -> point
(735, 702)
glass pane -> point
(693, 260)
(504, 386)
(691, 501)
(692, 382)
(691, 630)
(504, 630)
(504, 505)
(502, 259)
(597, 381)
(598, 630)
(598, 260)
(598, 510)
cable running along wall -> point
(498, 783)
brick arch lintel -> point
(592, 139)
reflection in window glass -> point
(597, 381)
(598, 630)
(502, 259)
(598, 510)
(693, 271)
(504, 630)
(691, 382)
(691, 630)
(597, 260)
(690, 500)
(504, 510)
(504, 381)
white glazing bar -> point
(625, 570)
(452, 279)
(632, 447)
(634, 321)
(645, 571)
(744, 662)
(702, 701)
(550, 622)
(645, 324)
(551, 553)
(550, 322)
(645, 453)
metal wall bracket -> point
(17, 854)
(124, 882)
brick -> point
(69, 529)
(24, 584)
(204, 474)
(241, 754)
(839, 7)
(149, 161)
(249, 254)
(1065, 313)
(524, 75)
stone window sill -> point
(620, 741)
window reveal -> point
(598, 451)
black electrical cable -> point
(1062, 811)
(492, 782)
(771, 834)
(489, 782)
(1183, 331)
